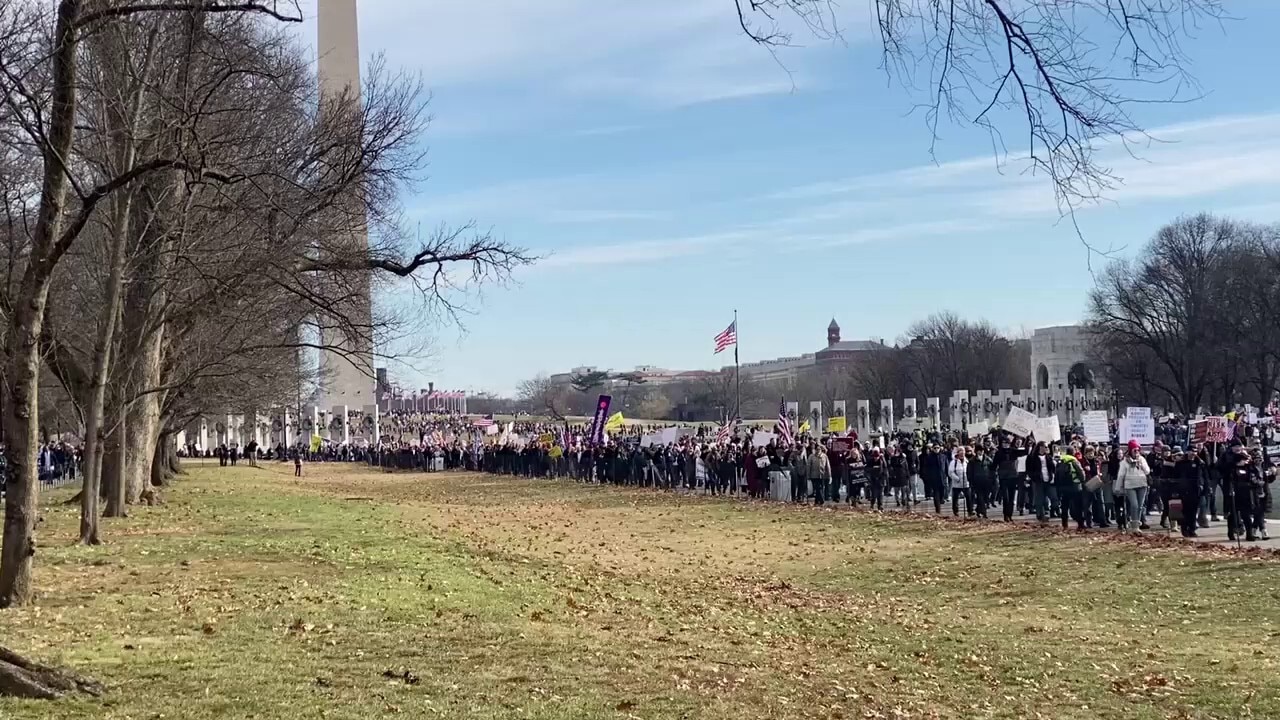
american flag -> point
(485, 421)
(783, 428)
(726, 431)
(728, 337)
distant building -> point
(777, 369)
(1060, 358)
(839, 355)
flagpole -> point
(737, 370)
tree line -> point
(935, 356)
(1192, 320)
(179, 204)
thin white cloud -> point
(668, 52)
(641, 251)
(1186, 160)
(600, 216)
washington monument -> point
(346, 365)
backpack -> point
(1068, 472)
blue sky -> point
(670, 171)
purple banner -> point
(601, 417)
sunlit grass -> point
(355, 594)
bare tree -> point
(1069, 70)
(1167, 305)
(540, 394)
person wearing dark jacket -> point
(979, 471)
(1241, 482)
(932, 473)
(1040, 473)
(876, 469)
(1095, 509)
(1187, 477)
(1006, 464)
(1069, 478)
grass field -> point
(355, 595)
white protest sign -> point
(669, 436)
(1140, 426)
(1020, 422)
(1022, 463)
(760, 439)
(651, 439)
(1095, 426)
(1048, 429)
(976, 429)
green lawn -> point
(357, 595)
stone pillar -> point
(886, 416)
(909, 409)
(983, 406)
(864, 420)
(838, 410)
(815, 419)
(341, 425)
(934, 408)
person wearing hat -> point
(1190, 475)
(876, 468)
(1132, 478)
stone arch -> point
(1042, 377)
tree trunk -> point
(114, 464)
(173, 461)
(141, 439)
(22, 678)
(160, 463)
(26, 320)
(122, 206)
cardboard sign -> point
(978, 429)
(1095, 425)
(1020, 422)
(760, 439)
(1140, 426)
(1216, 430)
(1048, 429)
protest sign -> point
(1020, 422)
(760, 439)
(978, 429)
(1141, 426)
(1048, 429)
(1095, 425)
(837, 424)
(1216, 430)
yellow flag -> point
(804, 426)
(837, 424)
(614, 422)
(315, 443)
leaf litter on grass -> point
(516, 598)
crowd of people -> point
(997, 476)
